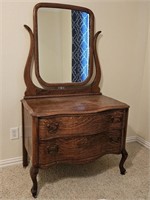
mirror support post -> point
(31, 89)
(95, 84)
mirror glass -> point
(63, 45)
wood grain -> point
(61, 126)
(43, 107)
(76, 149)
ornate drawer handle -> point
(52, 149)
(115, 119)
(114, 139)
(52, 127)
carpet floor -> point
(94, 181)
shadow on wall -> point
(130, 130)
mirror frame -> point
(43, 83)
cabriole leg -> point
(33, 173)
(122, 161)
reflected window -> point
(80, 45)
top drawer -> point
(57, 126)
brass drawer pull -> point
(52, 149)
(115, 119)
(52, 127)
(114, 139)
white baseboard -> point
(18, 160)
(143, 142)
(131, 139)
(138, 139)
(10, 161)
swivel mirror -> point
(64, 38)
(63, 45)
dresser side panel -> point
(28, 132)
(124, 128)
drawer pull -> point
(114, 139)
(52, 127)
(115, 119)
(52, 149)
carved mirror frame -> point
(89, 86)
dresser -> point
(69, 123)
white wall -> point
(122, 52)
(0, 80)
(144, 103)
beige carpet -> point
(94, 181)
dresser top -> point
(41, 107)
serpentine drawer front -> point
(80, 124)
(78, 149)
(76, 138)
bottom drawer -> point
(79, 149)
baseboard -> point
(143, 142)
(131, 139)
(10, 161)
(18, 160)
(138, 139)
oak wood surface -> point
(78, 149)
(73, 125)
(71, 105)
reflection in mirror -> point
(63, 45)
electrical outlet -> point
(14, 133)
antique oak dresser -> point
(68, 122)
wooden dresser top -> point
(42, 107)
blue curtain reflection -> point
(80, 45)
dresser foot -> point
(33, 173)
(122, 161)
